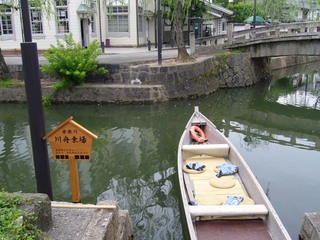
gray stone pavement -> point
(115, 55)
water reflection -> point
(140, 187)
(153, 208)
(134, 157)
(301, 89)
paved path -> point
(114, 56)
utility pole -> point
(100, 30)
(31, 75)
(254, 14)
(155, 25)
(159, 34)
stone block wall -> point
(126, 83)
(202, 77)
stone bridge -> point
(291, 39)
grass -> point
(15, 223)
(11, 83)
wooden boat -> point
(204, 195)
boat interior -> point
(208, 195)
(209, 191)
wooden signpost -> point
(70, 141)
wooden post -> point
(74, 179)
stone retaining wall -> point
(285, 62)
(310, 229)
(201, 77)
(153, 83)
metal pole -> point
(26, 21)
(254, 14)
(155, 25)
(159, 34)
(137, 17)
(31, 75)
(100, 31)
(149, 44)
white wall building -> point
(122, 24)
(116, 23)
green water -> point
(134, 158)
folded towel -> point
(234, 200)
(196, 166)
(226, 169)
(193, 203)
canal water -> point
(275, 125)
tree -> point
(243, 10)
(4, 70)
(184, 9)
(197, 8)
(273, 11)
(183, 55)
(169, 14)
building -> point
(116, 23)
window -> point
(62, 16)
(140, 20)
(6, 21)
(36, 20)
(93, 24)
(118, 19)
(118, 23)
(93, 20)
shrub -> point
(71, 62)
(14, 222)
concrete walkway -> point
(86, 221)
(115, 56)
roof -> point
(84, 8)
(217, 10)
(70, 121)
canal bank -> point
(136, 83)
(68, 221)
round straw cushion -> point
(222, 183)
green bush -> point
(70, 62)
(14, 223)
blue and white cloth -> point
(196, 166)
(226, 169)
(234, 200)
(193, 203)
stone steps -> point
(86, 221)
(69, 221)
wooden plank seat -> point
(214, 150)
(228, 210)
